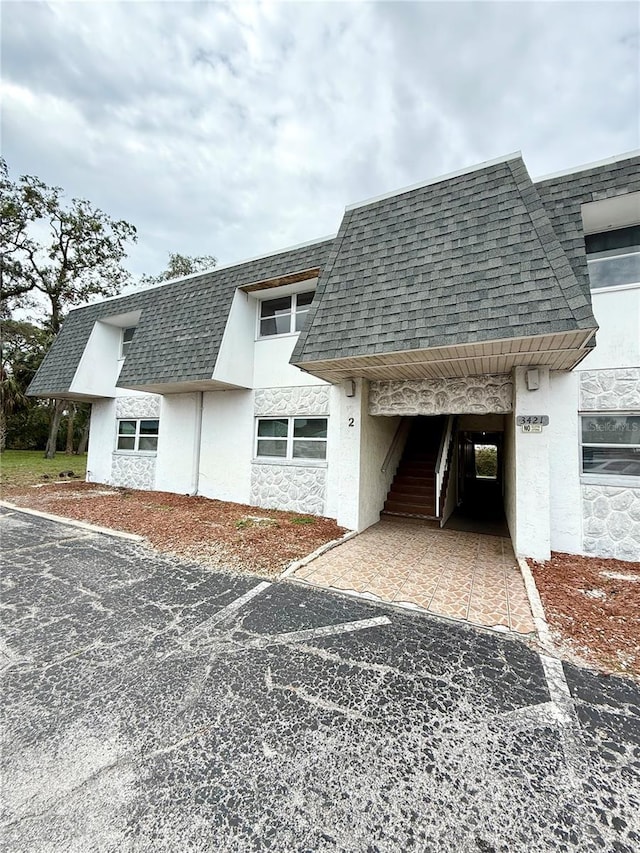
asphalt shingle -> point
(479, 245)
(180, 329)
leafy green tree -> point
(63, 253)
(80, 255)
(23, 346)
(181, 265)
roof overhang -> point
(279, 281)
(184, 387)
(560, 351)
(68, 395)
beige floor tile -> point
(453, 573)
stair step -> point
(411, 489)
(434, 520)
(414, 480)
(412, 508)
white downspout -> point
(197, 444)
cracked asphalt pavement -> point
(154, 705)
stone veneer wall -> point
(608, 390)
(138, 407)
(611, 521)
(474, 395)
(292, 487)
(299, 400)
(288, 485)
(136, 471)
(611, 514)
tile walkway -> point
(462, 575)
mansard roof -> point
(181, 324)
(465, 259)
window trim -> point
(290, 459)
(136, 445)
(293, 297)
(605, 478)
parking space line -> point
(228, 611)
(312, 633)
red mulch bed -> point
(225, 535)
(593, 609)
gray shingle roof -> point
(562, 197)
(180, 329)
(467, 259)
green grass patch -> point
(27, 467)
(303, 519)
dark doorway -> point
(480, 484)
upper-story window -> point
(125, 340)
(284, 315)
(613, 257)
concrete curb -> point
(537, 610)
(297, 564)
(83, 525)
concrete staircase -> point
(413, 490)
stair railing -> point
(441, 463)
(399, 434)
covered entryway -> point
(479, 499)
(452, 472)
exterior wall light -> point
(533, 379)
(350, 388)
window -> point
(613, 258)
(138, 435)
(291, 438)
(284, 315)
(125, 341)
(611, 445)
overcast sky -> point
(235, 130)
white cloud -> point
(238, 129)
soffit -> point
(558, 352)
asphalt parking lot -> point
(153, 705)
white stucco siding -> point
(99, 365)
(564, 462)
(357, 487)
(271, 364)
(377, 437)
(236, 357)
(617, 312)
(531, 519)
(177, 443)
(344, 485)
(101, 441)
(227, 445)
(510, 480)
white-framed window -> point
(125, 340)
(139, 435)
(284, 315)
(291, 438)
(610, 444)
(613, 257)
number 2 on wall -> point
(352, 422)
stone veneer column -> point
(532, 535)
